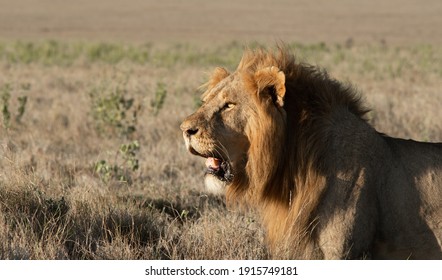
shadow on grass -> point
(81, 231)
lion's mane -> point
(284, 173)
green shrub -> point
(114, 112)
(160, 96)
(5, 96)
(123, 167)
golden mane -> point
(284, 174)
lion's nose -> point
(188, 128)
(191, 131)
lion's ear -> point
(218, 75)
(271, 80)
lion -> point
(288, 140)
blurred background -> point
(395, 21)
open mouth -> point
(219, 168)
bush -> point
(124, 166)
(5, 96)
(113, 112)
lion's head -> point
(254, 124)
(240, 112)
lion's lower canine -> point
(290, 141)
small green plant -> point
(5, 92)
(124, 165)
(129, 154)
(160, 96)
(6, 95)
(22, 100)
(113, 112)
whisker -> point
(224, 152)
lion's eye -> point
(227, 106)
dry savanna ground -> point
(92, 162)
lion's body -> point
(383, 196)
(326, 183)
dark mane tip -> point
(305, 81)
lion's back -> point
(391, 190)
(411, 199)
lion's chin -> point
(214, 185)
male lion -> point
(290, 141)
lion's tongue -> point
(213, 163)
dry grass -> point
(56, 204)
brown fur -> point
(307, 161)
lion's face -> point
(219, 129)
(216, 131)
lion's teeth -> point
(213, 163)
